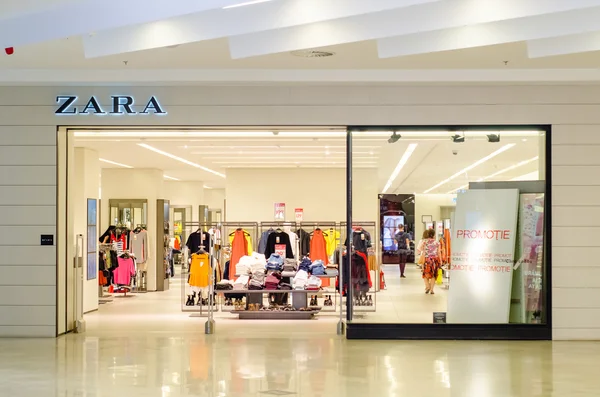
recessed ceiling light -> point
(475, 164)
(172, 156)
(403, 160)
(115, 163)
(185, 147)
(171, 178)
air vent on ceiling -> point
(312, 54)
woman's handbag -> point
(439, 279)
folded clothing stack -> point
(272, 280)
(275, 262)
(248, 264)
(224, 285)
(241, 282)
(289, 268)
(305, 264)
(301, 279)
(317, 268)
(284, 286)
(313, 283)
(258, 279)
(332, 271)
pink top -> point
(124, 272)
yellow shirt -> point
(248, 240)
(200, 271)
(332, 240)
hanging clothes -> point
(198, 239)
(318, 247)
(447, 235)
(361, 240)
(304, 239)
(293, 239)
(239, 248)
(279, 238)
(249, 246)
(333, 240)
(126, 268)
(262, 243)
(139, 245)
(200, 271)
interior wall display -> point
(299, 213)
(92, 239)
(483, 252)
(280, 211)
(390, 226)
(395, 209)
(529, 270)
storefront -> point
(36, 141)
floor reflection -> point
(230, 364)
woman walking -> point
(432, 253)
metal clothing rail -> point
(209, 326)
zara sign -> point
(69, 105)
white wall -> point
(430, 204)
(181, 193)
(86, 186)
(252, 193)
(214, 198)
(28, 164)
(135, 184)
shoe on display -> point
(370, 301)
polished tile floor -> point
(144, 346)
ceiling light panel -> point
(180, 159)
(403, 160)
(495, 174)
(474, 165)
(171, 178)
(115, 163)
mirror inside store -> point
(250, 224)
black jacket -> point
(272, 241)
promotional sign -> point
(299, 214)
(279, 211)
(483, 251)
(280, 249)
(529, 269)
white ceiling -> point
(51, 36)
(432, 161)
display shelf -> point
(275, 315)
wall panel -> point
(28, 140)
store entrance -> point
(170, 226)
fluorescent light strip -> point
(207, 187)
(495, 174)
(475, 164)
(532, 176)
(115, 163)
(290, 134)
(171, 178)
(248, 3)
(172, 156)
(403, 160)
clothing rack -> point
(189, 228)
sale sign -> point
(280, 211)
(483, 254)
(299, 214)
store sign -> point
(483, 253)
(69, 105)
(439, 317)
(279, 211)
(299, 212)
